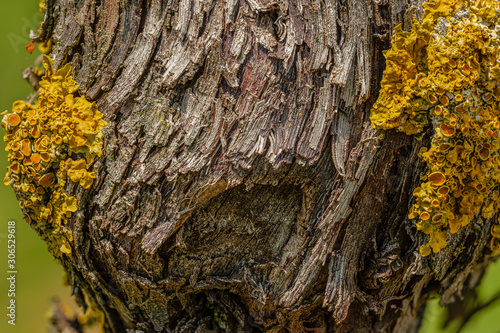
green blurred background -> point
(39, 277)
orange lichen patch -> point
(459, 108)
(438, 110)
(484, 153)
(444, 100)
(444, 147)
(14, 167)
(25, 147)
(436, 218)
(466, 69)
(35, 158)
(27, 161)
(35, 131)
(30, 47)
(42, 143)
(443, 190)
(58, 140)
(49, 142)
(460, 98)
(47, 180)
(45, 157)
(437, 178)
(13, 119)
(447, 130)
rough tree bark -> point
(240, 190)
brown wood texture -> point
(240, 190)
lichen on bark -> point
(445, 73)
(49, 143)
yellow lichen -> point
(48, 143)
(445, 72)
(43, 47)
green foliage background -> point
(39, 277)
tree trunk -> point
(242, 187)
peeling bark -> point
(239, 189)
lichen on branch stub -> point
(445, 73)
(54, 140)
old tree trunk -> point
(240, 190)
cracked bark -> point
(239, 190)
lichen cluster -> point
(43, 47)
(445, 73)
(48, 143)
